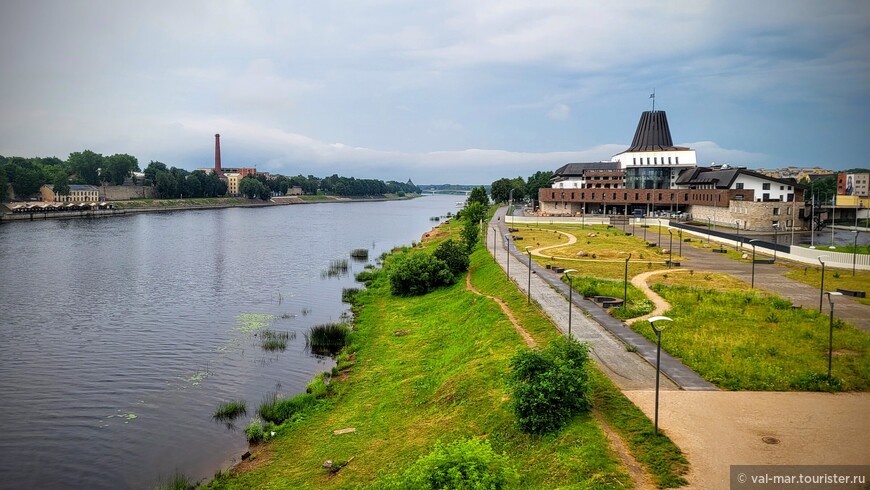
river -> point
(121, 336)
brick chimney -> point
(217, 154)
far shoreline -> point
(168, 205)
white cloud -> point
(559, 112)
(709, 152)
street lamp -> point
(494, 238)
(625, 284)
(570, 298)
(660, 231)
(507, 254)
(681, 242)
(822, 286)
(708, 231)
(670, 248)
(530, 274)
(831, 295)
(752, 242)
(737, 243)
(658, 332)
(854, 249)
(775, 239)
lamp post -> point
(822, 286)
(658, 332)
(530, 274)
(680, 253)
(625, 284)
(507, 254)
(737, 243)
(570, 297)
(775, 239)
(831, 295)
(511, 202)
(708, 231)
(670, 248)
(752, 242)
(855, 248)
(660, 231)
(494, 238)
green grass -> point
(744, 340)
(638, 303)
(229, 411)
(432, 368)
(327, 339)
(170, 203)
(271, 340)
(834, 278)
(177, 481)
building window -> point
(765, 196)
(669, 160)
(776, 211)
(677, 159)
(656, 160)
(765, 186)
(647, 160)
(782, 187)
(572, 196)
(739, 185)
(634, 161)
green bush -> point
(417, 274)
(254, 432)
(470, 233)
(549, 386)
(319, 386)
(468, 464)
(368, 276)
(454, 255)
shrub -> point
(254, 431)
(454, 255)
(228, 411)
(470, 233)
(319, 386)
(549, 386)
(327, 338)
(348, 294)
(359, 254)
(419, 273)
(367, 277)
(277, 410)
(465, 464)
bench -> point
(849, 292)
(719, 251)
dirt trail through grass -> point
(661, 306)
(571, 240)
(528, 338)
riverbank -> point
(432, 368)
(123, 208)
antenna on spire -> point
(653, 97)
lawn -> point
(745, 340)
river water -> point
(120, 336)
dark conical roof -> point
(653, 133)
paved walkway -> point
(608, 336)
(771, 278)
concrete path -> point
(608, 336)
(771, 278)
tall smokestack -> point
(217, 154)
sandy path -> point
(661, 306)
(571, 240)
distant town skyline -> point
(444, 92)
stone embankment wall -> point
(126, 192)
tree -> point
(26, 177)
(549, 386)
(61, 185)
(250, 187)
(478, 194)
(417, 274)
(822, 188)
(474, 212)
(166, 185)
(152, 169)
(4, 183)
(538, 180)
(118, 167)
(470, 233)
(86, 165)
(519, 187)
(500, 190)
(454, 255)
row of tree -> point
(27, 175)
(500, 190)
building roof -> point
(82, 187)
(723, 178)
(577, 169)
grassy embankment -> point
(433, 368)
(181, 203)
(735, 338)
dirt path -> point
(571, 240)
(528, 338)
(638, 473)
(661, 306)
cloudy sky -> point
(437, 91)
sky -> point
(462, 92)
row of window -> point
(655, 161)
